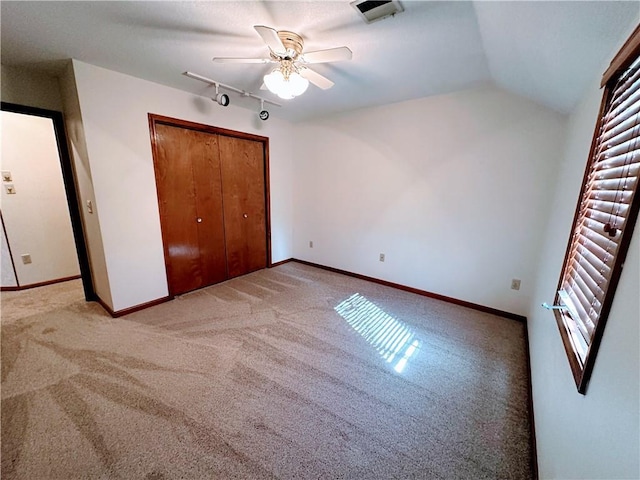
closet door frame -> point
(155, 119)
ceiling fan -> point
(291, 76)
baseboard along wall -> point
(424, 293)
(39, 284)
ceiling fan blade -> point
(315, 78)
(241, 60)
(329, 55)
(271, 38)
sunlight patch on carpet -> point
(392, 339)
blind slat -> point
(625, 158)
(598, 245)
(589, 306)
(626, 147)
(612, 217)
(626, 135)
(609, 132)
(614, 184)
(621, 115)
(628, 86)
(607, 196)
(571, 288)
(618, 173)
(596, 276)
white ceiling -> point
(546, 51)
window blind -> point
(607, 209)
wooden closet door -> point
(244, 199)
(210, 221)
(187, 165)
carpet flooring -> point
(289, 372)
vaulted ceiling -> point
(546, 51)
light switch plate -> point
(6, 176)
(10, 189)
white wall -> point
(30, 87)
(84, 185)
(453, 189)
(596, 435)
(114, 110)
(36, 217)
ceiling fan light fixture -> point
(286, 85)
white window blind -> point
(605, 216)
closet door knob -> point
(245, 215)
(199, 220)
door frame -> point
(155, 119)
(70, 188)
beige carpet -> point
(291, 372)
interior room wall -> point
(596, 435)
(30, 87)
(84, 184)
(453, 189)
(114, 110)
(36, 216)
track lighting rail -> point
(243, 93)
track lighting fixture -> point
(264, 115)
(223, 98)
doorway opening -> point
(26, 219)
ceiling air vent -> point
(372, 10)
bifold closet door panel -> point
(183, 160)
(210, 221)
(177, 202)
(244, 198)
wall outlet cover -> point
(6, 176)
(10, 189)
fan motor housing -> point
(292, 42)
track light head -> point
(222, 99)
(264, 115)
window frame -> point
(625, 57)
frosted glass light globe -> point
(274, 81)
(298, 84)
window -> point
(605, 216)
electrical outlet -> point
(6, 176)
(26, 258)
(310, 243)
(515, 284)
(382, 257)
(10, 189)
